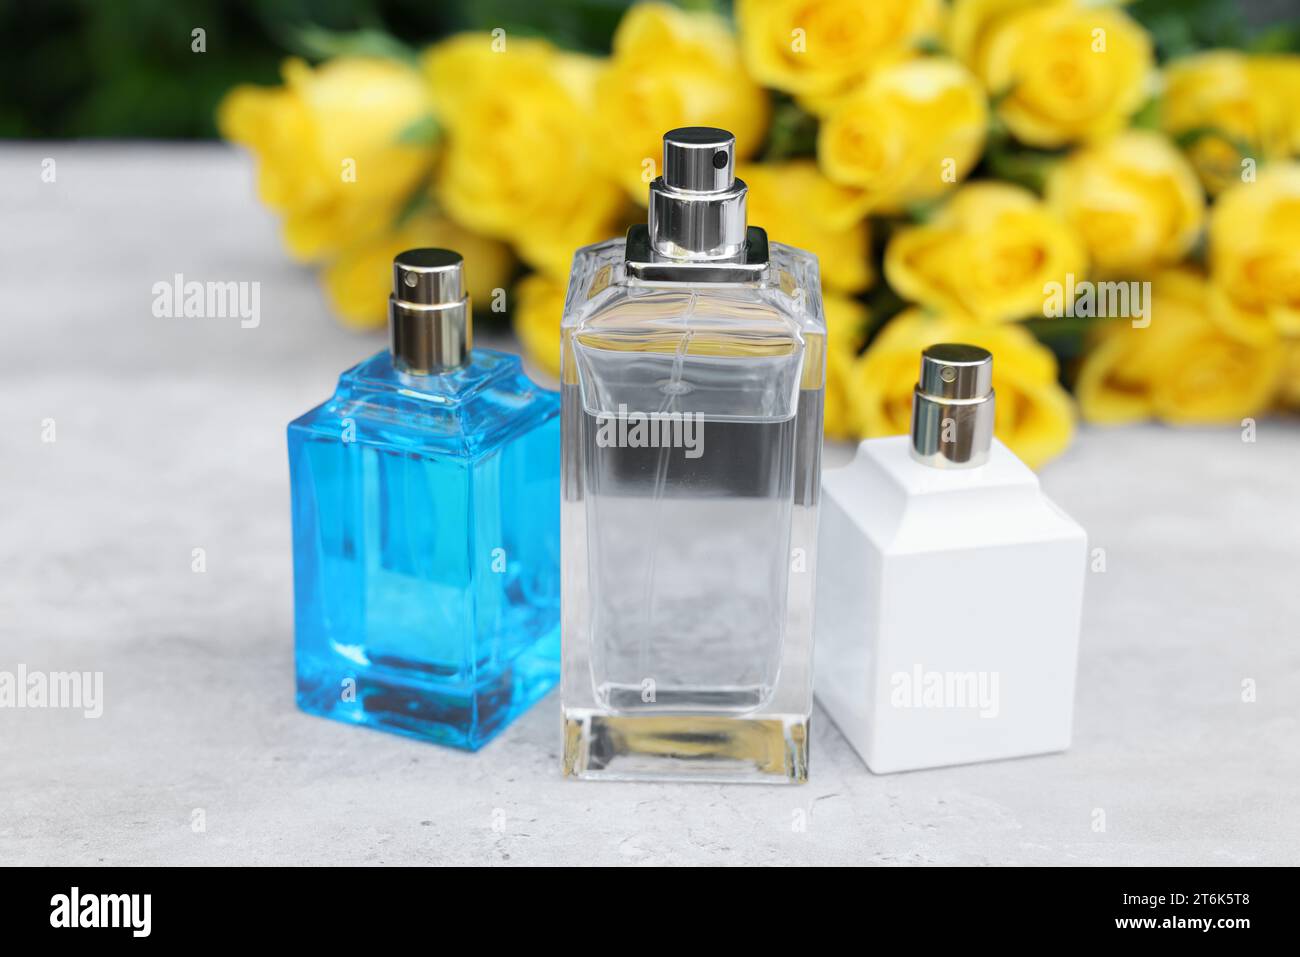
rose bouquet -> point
(1120, 227)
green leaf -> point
(419, 203)
(1024, 167)
(318, 43)
(930, 46)
(883, 304)
(922, 210)
(1066, 337)
(1282, 38)
(1148, 118)
(793, 132)
(1180, 27)
(583, 25)
(1190, 137)
(422, 132)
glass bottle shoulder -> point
(467, 412)
(787, 294)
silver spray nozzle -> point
(952, 407)
(697, 208)
(699, 158)
(428, 312)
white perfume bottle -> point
(949, 587)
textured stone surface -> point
(170, 437)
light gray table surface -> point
(169, 436)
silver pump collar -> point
(428, 312)
(952, 407)
(697, 207)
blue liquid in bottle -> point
(426, 533)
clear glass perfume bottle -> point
(426, 527)
(693, 366)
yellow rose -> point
(845, 326)
(1230, 107)
(329, 147)
(820, 49)
(1288, 391)
(909, 134)
(537, 311)
(971, 23)
(988, 253)
(1238, 321)
(1067, 73)
(1255, 246)
(521, 158)
(358, 281)
(1034, 415)
(1183, 368)
(671, 68)
(799, 206)
(1134, 200)
(1277, 77)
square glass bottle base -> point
(766, 749)
(462, 716)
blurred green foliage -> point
(125, 68)
(1180, 27)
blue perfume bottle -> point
(426, 540)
